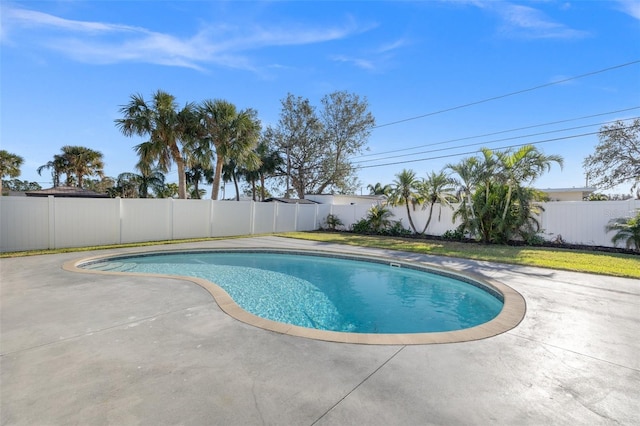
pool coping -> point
(512, 313)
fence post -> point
(315, 218)
(52, 222)
(275, 216)
(120, 219)
(210, 218)
(171, 218)
(252, 225)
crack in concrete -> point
(358, 385)
(573, 352)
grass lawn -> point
(619, 265)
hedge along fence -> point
(33, 223)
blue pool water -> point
(328, 293)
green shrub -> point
(454, 235)
(361, 227)
(397, 229)
(333, 222)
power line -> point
(541, 86)
(492, 141)
(500, 132)
(473, 152)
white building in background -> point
(568, 194)
(346, 199)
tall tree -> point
(617, 157)
(9, 165)
(195, 175)
(134, 185)
(437, 188)
(467, 170)
(347, 124)
(522, 167)
(379, 189)
(405, 192)
(82, 161)
(230, 133)
(20, 185)
(297, 137)
(502, 200)
(270, 160)
(168, 129)
(58, 166)
(316, 149)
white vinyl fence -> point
(31, 223)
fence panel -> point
(285, 217)
(323, 210)
(264, 217)
(350, 213)
(30, 223)
(583, 222)
(191, 219)
(307, 217)
(231, 218)
(24, 223)
(145, 220)
(82, 222)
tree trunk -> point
(429, 219)
(235, 184)
(506, 206)
(215, 188)
(182, 181)
(409, 216)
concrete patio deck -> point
(96, 349)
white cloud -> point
(630, 7)
(359, 62)
(98, 42)
(392, 46)
(31, 18)
(373, 59)
(528, 22)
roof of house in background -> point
(66, 191)
(290, 201)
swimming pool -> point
(325, 293)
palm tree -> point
(436, 188)
(133, 185)
(169, 190)
(404, 192)
(126, 186)
(379, 189)
(9, 165)
(499, 201)
(231, 171)
(195, 174)
(270, 160)
(379, 218)
(149, 178)
(231, 134)
(627, 231)
(83, 162)
(58, 166)
(467, 171)
(523, 167)
(167, 128)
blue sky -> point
(67, 67)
